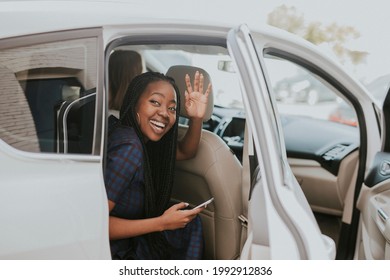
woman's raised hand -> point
(195, 99)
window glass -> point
(300, 92)
(38, 85)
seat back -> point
(213, 172)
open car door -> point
(281, 224)
(374, 200)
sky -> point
(370, 17)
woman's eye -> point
(154, 102)
(173, 109)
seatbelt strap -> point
(246, 170)
(247, 157)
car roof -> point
(25, 17)
(30, 17)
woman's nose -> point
(163, 112)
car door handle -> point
(383, 215)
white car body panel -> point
(41, 216)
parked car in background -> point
(344, 112)
(303, 88)
(302, 187)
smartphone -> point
(204, 204)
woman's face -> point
(156, 110)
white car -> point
(301, 188)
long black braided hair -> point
(159, 158)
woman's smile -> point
(157, 126)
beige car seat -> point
(214, 172)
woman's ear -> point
(138, 119)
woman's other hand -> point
(178, 217)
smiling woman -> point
(142, 225)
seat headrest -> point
(178, 72)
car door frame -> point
(374, 198)
(273, 197)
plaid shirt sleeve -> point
(123, 160)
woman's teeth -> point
(158, 124)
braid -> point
(160, 157)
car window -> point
(37, 82)
(300, 92)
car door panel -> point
(52, 209)
(374, 197)
(374, 202)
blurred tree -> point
(336, 36)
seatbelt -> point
(247, 171)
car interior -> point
(324, 155)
